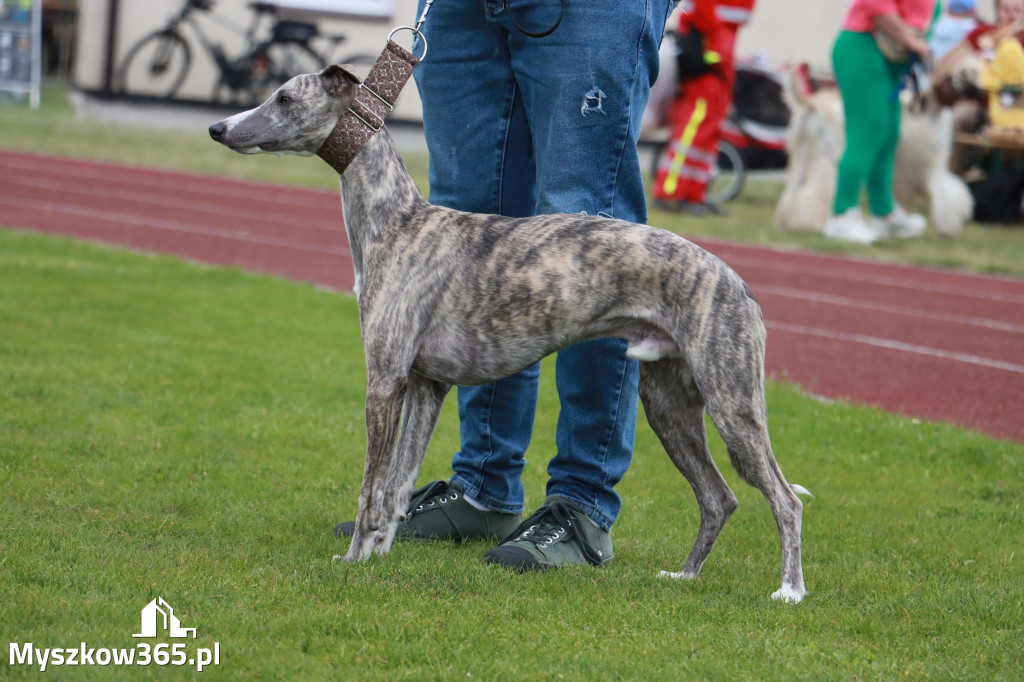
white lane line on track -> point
(882, 280)
(889, 344)
(149, 178)
(167, 202)
(117, 218)
(831, 299)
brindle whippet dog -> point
(447, 298)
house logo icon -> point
(170, 622)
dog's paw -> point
(383, 538)
(357, 551)
(343, 558)
(681, 575)
(788, 594)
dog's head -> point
(961, 82)
(296, 119)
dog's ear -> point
(338, 81)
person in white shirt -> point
(953, 26)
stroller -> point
(753, 134)
(756, 124)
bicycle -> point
(156, 66)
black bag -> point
(690, 54)
(294, 31)
(997, 198)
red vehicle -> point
(753, 134)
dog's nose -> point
(218, 129)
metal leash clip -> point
(416, 32)
(416, 29)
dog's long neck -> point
(378, 196)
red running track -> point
(943, 346)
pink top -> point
(915, 13)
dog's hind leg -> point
(741, 417)
(675, 410)
(423, 401)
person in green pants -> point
(869, 83)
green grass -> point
(194, 433)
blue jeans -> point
(522, 126)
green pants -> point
(867, 81)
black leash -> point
(529, 34)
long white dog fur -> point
(815, 143)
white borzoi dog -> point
(815, 143)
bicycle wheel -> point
(728, 175)
(657, 151)
(275, 63)
(156, 66)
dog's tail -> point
(800, 490)
(952, 204)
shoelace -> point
(421, 498)
(550, 524)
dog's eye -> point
(284, 99)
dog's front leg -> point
(423, 401)
(384, 399)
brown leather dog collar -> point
(375, 99)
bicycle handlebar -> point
(263, 7)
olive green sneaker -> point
(439, 511)
(558, 534)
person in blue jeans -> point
(520, 124)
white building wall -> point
(784, 31)
(792, 31)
